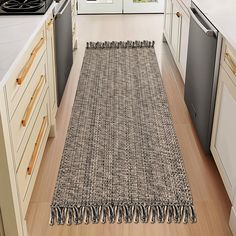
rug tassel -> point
(121, 44)
(69, 217)
(119, 214)
(153, 214)
(158, 214)
(170, 214)
(87, 215)
(104, 214)
(128, 214)
(122, 213)
(52, 216)
(59, 215)
(111, 211)
(81, 213)
(162, 214)
(186, 215)
(193, 217)
(95, 214)
(175, 214)
(75, 215)
(144, 214)
(136, 214)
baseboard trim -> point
(232, 221)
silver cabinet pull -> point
(63, 9)
(208, 32)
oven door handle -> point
(63, 9)
(210, 33)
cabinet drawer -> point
(224, 131)
(22, 75)
(24, 117)
(228, 60)
(27, 172)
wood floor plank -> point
(211, 201)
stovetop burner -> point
(22, 5)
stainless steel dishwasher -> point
(63, 45)
(202, 74)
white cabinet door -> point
(175, 29)
(183, 42)
(168, 19)
(100, 6)
(223, 144)
(51, 74)
(143, 6)
(176, 32)
(74, 12)
(51, 66)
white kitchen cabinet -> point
(22, 74)
(28, 105)
(27, 126)
(51, 72)
(74, 11)
(168, 19)
(223, 143)
(33, 154)
(183, 42)
(176, 31)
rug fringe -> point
(122, 213)
(121, 44)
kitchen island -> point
(28, 106)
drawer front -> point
(51, 65)
(228, 60)
(22, 75)
(24, 117)
(28, 169)
(224, 131)
(49, 21)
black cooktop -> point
(24, 7)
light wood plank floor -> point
(210, 198)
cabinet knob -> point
(178, 14)
(50, 23)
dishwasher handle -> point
(64, 8)
(210, 33)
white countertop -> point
(16, 34)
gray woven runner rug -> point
(121, 160)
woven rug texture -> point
(121, 161)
